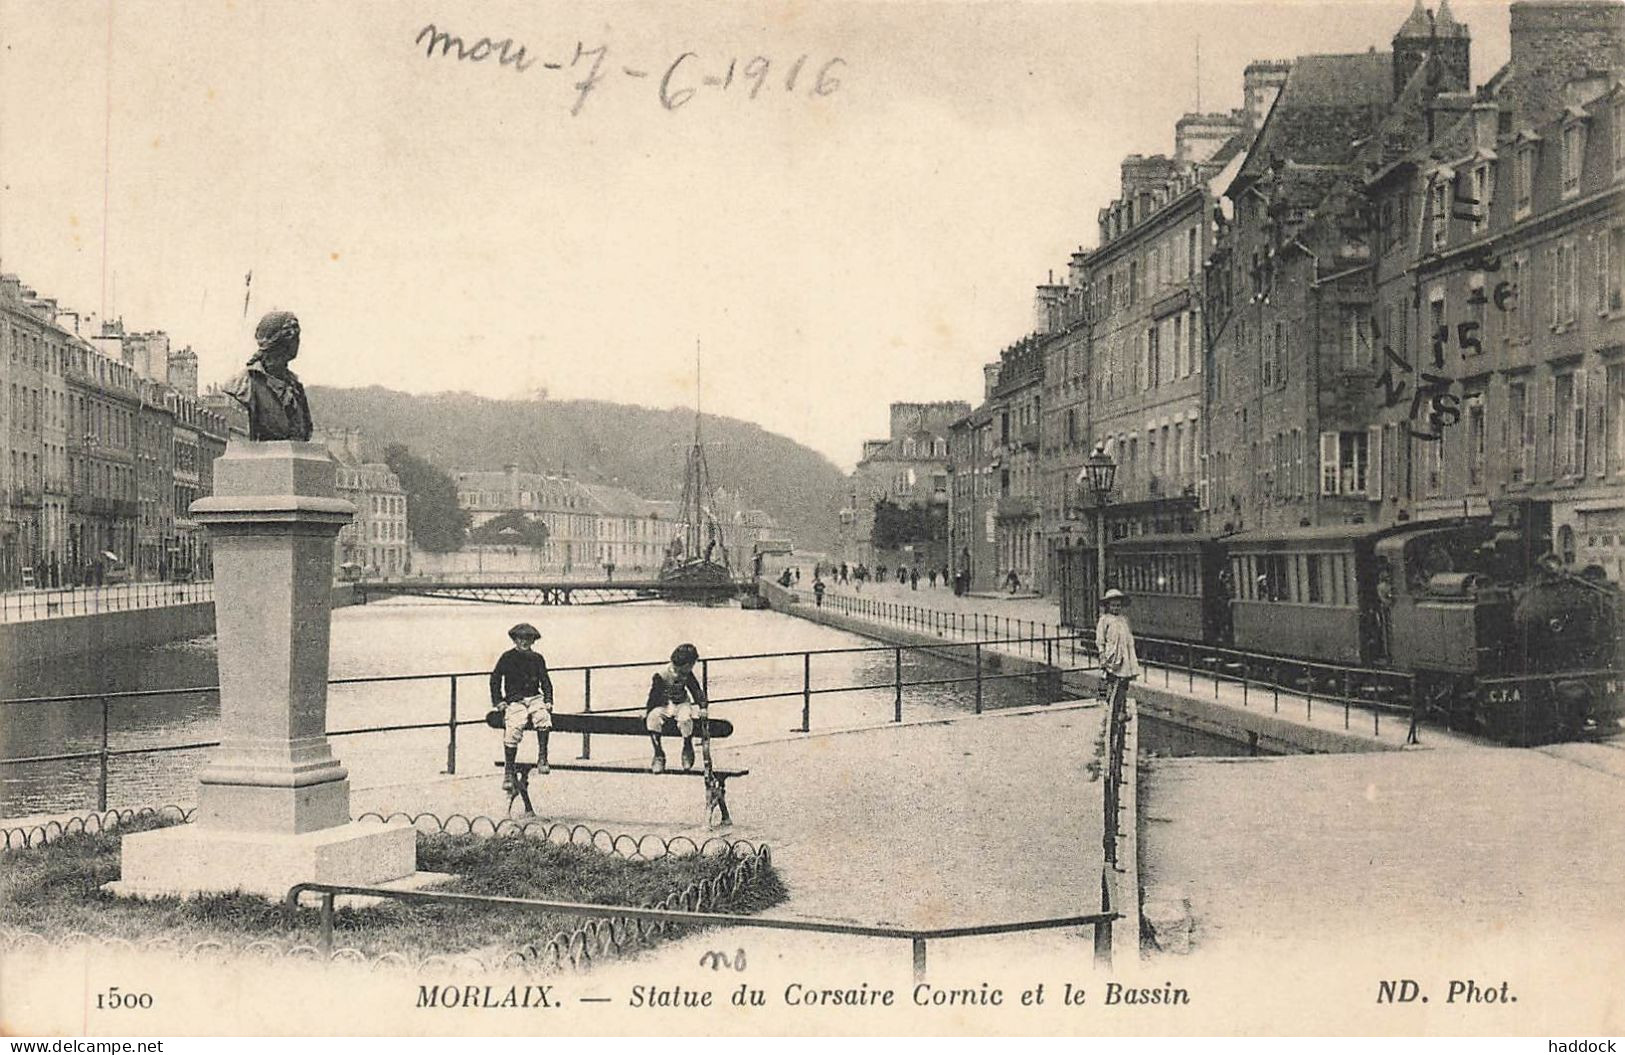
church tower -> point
(1443, 36)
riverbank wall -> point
(1160, 694)
(80, 635)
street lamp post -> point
(1066, 571)
(1099, 472)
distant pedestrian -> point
(1114, 639)
(798, 573)
(1012, 580)
(914, 578)
(931, 578)
(880, 573)
(521, 687)
(818, 592)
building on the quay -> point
(562, 504)
(103, 455)
(1063, 322)
(1146, 397)
(1290, 371)
(1415, 309)
(1507, 377)
(631, 537)
(154, 479)
(69, 427)
(376, 542)
(745, 531)
(901, 485)
(973, 514)
(1017, 409)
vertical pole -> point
(451, 730)
(806, 692)
(1103, 930)
(1345, 699)
(327, 923)
(897, 686)
(586, 705)
(919, 960)
(978, 677)
(101, 783)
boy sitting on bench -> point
(520, 685)
(674, 693)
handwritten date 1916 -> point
(679, 81)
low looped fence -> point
(598, 939)
(743, 865)
(647, 847)
(34, 835)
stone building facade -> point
(376, 542)
(103, 455)
(1519, 324)
(908, 469)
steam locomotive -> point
(1475, 616)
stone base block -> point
(261, 807)
(187, 859)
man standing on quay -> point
(1119, 664)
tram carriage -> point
(1177, 582)
(1306, 593)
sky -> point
(837, 232)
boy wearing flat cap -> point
(520, 685)
(674, 693)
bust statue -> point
(268, 390)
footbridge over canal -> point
(554, 592)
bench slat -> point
(577, 767)
(628, 725)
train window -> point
(1272, 578)
(1338, 578)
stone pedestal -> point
(273, 802)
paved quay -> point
(1483, 865)
(933, 822)
(969, 820)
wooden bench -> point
(716, 790)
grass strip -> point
(55, 890)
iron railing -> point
(52, 603)
(1101, 921)
(1115, 742)
(1374, 691)
(1063, 656)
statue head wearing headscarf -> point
(268, 390)
(278, 338)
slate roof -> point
(1329, 103)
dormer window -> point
(1483, 191)
(1523, 179)
(1574, 148)
(1619, 134)
(1440, 194)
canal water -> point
(442, 644)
